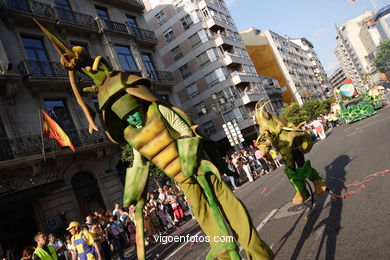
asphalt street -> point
(355, 161)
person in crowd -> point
(177, 210)
(275, 157)
(58, 245)
(131, 229)
(28, 253)
(83, 245)
(319, 128)
(149, 230)
(164, 216)
(68, 244)
(88, 222)
(263, 163)
(163, 197)
(231, 172)
(113, 235)
(245, 166)
(116, 210)
(238, 165)
(152, 212)
(43, 251)
(97, 232)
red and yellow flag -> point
(52, 130)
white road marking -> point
(270, 215)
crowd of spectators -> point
(107, 234)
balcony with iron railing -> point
(36, 70)
(106, 25)
(160, 76)
(17, 147)
(141, 34)
(42, 10)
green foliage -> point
(328, 102)
(294, 113)
(382, 60)
(309, 110)
(128, 156)
(313, 107)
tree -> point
(382, 60)
(128, 157)
(294, 113)
(328, 102)
(313, 107)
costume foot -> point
(319, 186)
(300, 197)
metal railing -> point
(47, 69)
(44, 10)
(141, 34)
(108, 25)
(160, 76)
(17, 147)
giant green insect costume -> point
(163, 134)
(291, 142)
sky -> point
(313, 19)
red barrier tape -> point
(356, 183)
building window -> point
(207, 57)
(59, 112)
(132, 24)
(64, 10)
(198, 38)
(186, 22)
(216, 76)
(126, 58)
(176, 53)
(209, 128)
(161, 17)
(192, 90)
(150, 66)
(102, 12)
(185, 71)
(200, 109)
(168, 35)
(37, 56)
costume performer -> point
(292, 143)
(163, 134)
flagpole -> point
(43, 143)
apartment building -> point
(216, 79)
(337, 78)
(279, 57)
(316, 66)
(45, 193)
(358, 41)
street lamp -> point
(220, 106)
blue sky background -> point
(312, 19)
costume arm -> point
(176, 122)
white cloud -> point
(231, 3)
(320, 32)
(330, 68)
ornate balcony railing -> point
(141, 34)
(44, 10)
(108, 25)
(70, 16)
(17, 147)
(37, 68)
(160, 76)
(47, 69)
